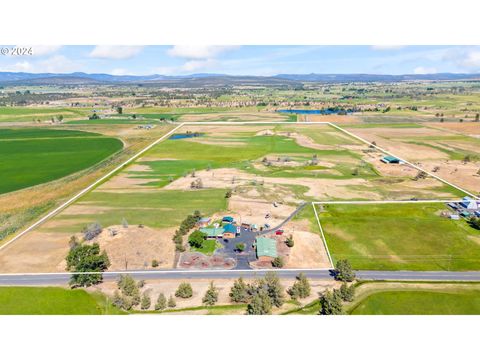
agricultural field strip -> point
(361, 202)
(323, 236)
(88, 188)
(403, 160)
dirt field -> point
(339, 119)
(168, 287)
(309, 251)
(235, 116)
(470, 128)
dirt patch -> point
(200, 261)
(339, 119)
(135, 247)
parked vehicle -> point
(279, 232)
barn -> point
(266, 248)
(390, 160)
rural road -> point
(63, 278)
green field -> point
(400, 237)
(35, 156)
(53, 301)
(163, 209)
(23, 114)
(420, 302)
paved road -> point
(62, 278)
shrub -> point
(155, 263)
(184, 291)
(278, 262)
(161, 303)
(240, 247)
(171, 302)
(290, 241)
(91, 231)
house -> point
(227, 219)
(203, 222)
(213, 233)
(266, 248)
(469, 203)
(465, 214)
(453, 205)
(229, 231)
(390, 160)
(477, 213)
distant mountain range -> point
(214, 80)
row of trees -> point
(187, 224)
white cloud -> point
(387, 47)
(115, 52)
(22, 66)
(421, 70)
(53, 64)
(198, 51)
(471, 60)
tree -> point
(347, 293)
(127, 285)
(146, 302)
(171, 302)
(331, 303)
(196, 239)
(240, 246)
(238, 292)
(274, 289)
(475, 223)
(84, 259)
(161, 303)
(300, 288)
(228, 194)
(73, 242)
(91, 231)
(119, 110)
(343, 271)
(184, 291)
(155, 263)
(278, 262)
(260, 304)
(289, 242)
(211, 295)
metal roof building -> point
(266, 247)
(212, 232)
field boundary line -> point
(401, 159)
(323, 236)
(366, 202)
(89, 187)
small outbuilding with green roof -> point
(266, 248)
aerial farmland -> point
(175, 186)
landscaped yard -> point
(400, 237)
(53, 301)
(35, 156)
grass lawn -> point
(420, 302)
(53, 301)
(400, 237)
(35, 156)
(208, 247)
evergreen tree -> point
(343, 271)
(211, 296)
(146, 302)
(238, 292)
(331, 303)
(301, 288)
(260, 304)
(184, 291)
(171, 302)
(347, 293)
(161, 303)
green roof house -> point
(266, 248)
(390, 160)
(212, 233)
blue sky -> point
(246, 60)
